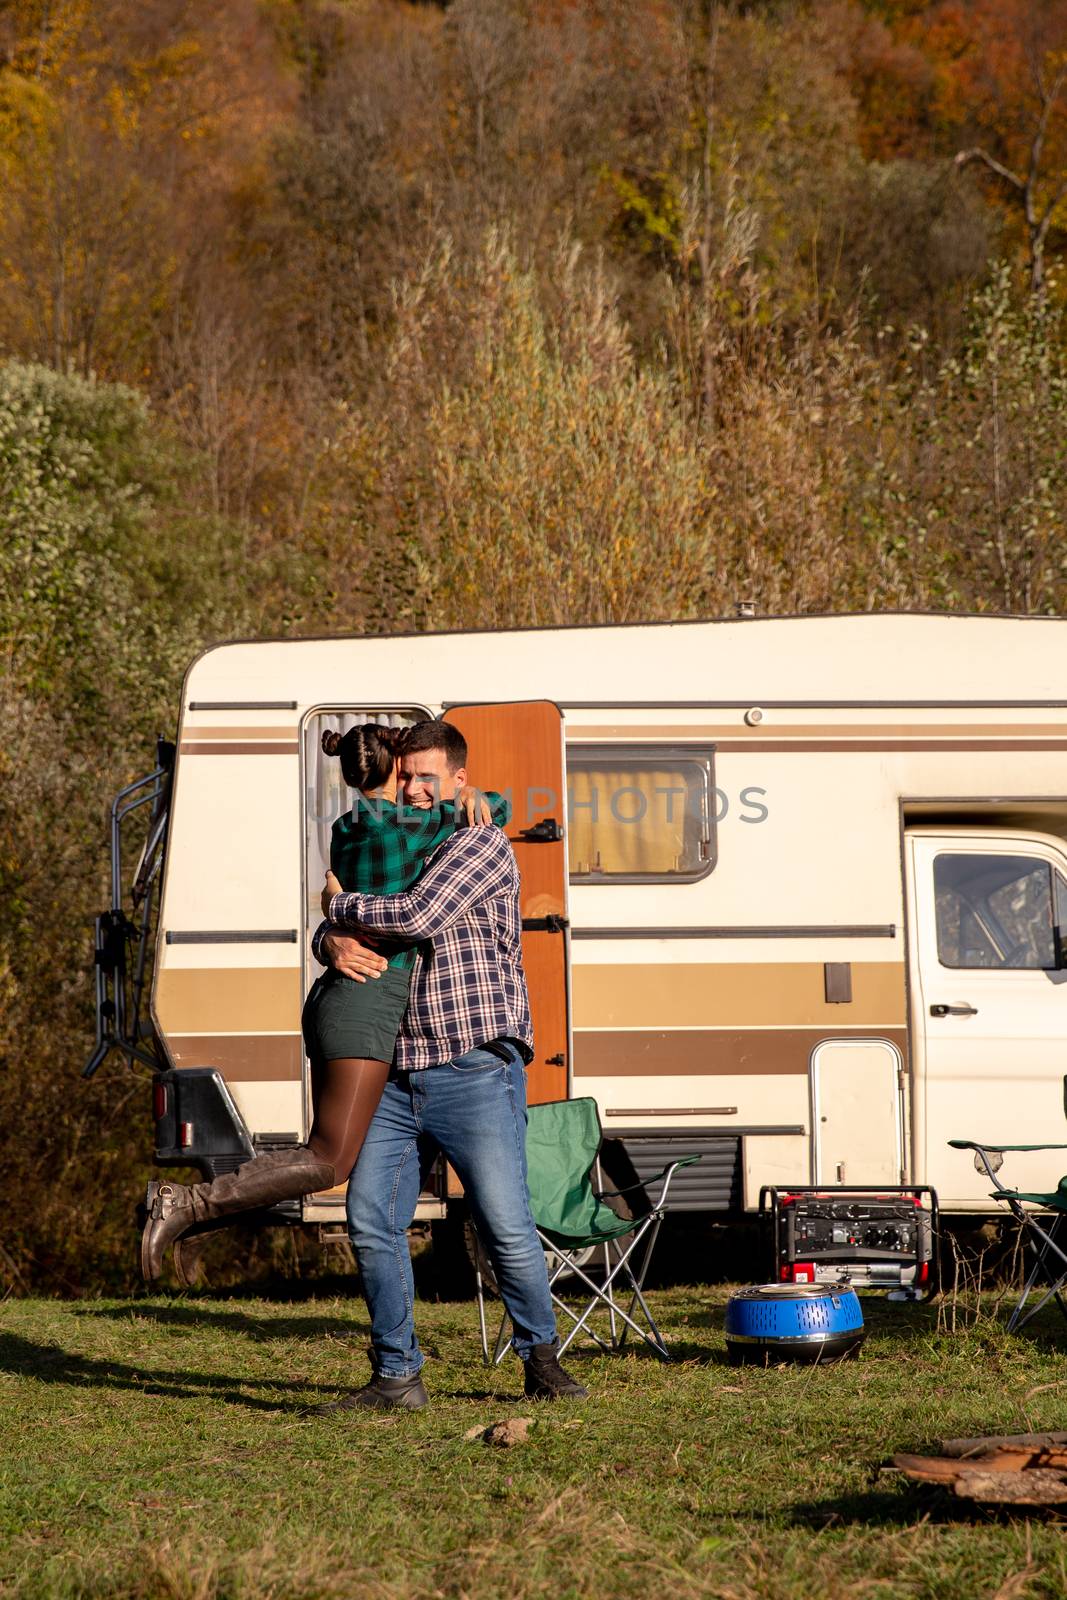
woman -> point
(349, 1027)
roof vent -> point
(745, 608)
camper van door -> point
(990, 1003)
(517, 749)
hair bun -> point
(392, 738)
(331, 742)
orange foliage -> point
(983, 81)
(960, 70)
(144, 118)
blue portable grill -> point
(793, 1322)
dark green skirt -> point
(344, 1018)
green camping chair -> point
(1045, 1235)
(562, 1152)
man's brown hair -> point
(436, 735)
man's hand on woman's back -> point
(351, 957)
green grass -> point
(153, 1447)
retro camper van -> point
(794, 890)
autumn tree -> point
(984, 84)
(1010, 84)
(118, 126)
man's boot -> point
(380, 1394)
(266, 1179)
(546, 1379)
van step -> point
(330, 1233)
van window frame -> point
(644, 752)
(994, 934)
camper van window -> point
(638, 814)
(994, 911)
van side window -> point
(994, 911)
(639, 814)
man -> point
(458, 1084)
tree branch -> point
(1048, 101)
(965, 157)
(1046, 215)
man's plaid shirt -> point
(468, 986)
(380, 848)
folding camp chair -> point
(563, 1141)
(1046, 1237)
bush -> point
(109, 580)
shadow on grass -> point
(50, 1363)
(909, 1505)
(881, 1507)
(888, 1324)
(193, 1312)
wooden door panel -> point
(518, 750)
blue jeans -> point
(474, 1109)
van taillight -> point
(159, 1100)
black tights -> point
(345, 1095)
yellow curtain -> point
(629, 820)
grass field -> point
(154, 1447)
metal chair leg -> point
(602, 1294)
(479, 1289)
(617, 1271)
(579, 1327)
(563, 1264)
(1040, 1268)
(637, 1298)
(503, 1341)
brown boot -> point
(276, 1175)
(187, 1255)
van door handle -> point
(954, 1011)
(547, 831)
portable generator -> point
(871, 1238)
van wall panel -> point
(785, 994)
(891, 656)
(229, 1000)
(234, 853)
(771, 1099)
(779, 1161)
(708, 1053)
(269, 1107)
(276, 956)
(241, 1057)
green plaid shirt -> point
(381, 848)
